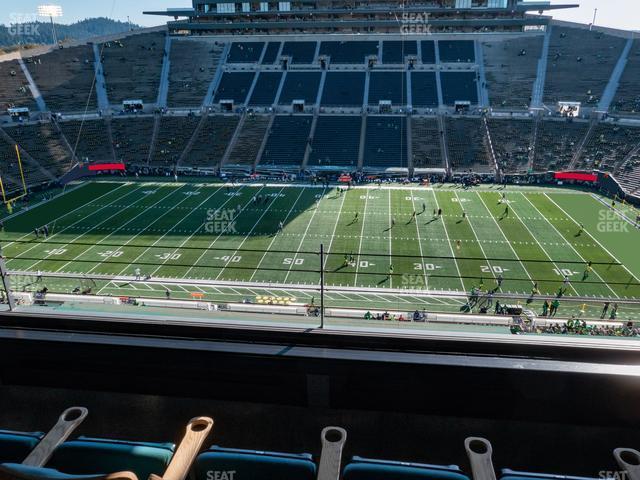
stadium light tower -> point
(51, 11)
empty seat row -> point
(53, 457)
(14, 88)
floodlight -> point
(53, 11)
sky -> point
(623, 14)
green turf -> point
(172, 231)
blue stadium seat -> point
(396, 51)
(343, 89)
(348, 52)
(424, 89)
(336, 141)
(234, 86)
(254, 465)
(300, 86)
(457, 51)
(300, 52)
(245, 52)
(368, 469)
(15, 446)
(390, 86)
(428, 48)
(264, 93)
(515, 475)
(85, 456)
(459, 86)
(386, 142)
(287, 142)
(270, 56)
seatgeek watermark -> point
(610, 222)
(413, 23)
(221, 221)
(23, 24)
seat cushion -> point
(17, 470)
(369, 469)
(514, 475)
(16, 446)
(87, 456)
(231, 464)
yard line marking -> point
(557, 267)
(446, 233)
(415, 219)
(568, 243)
(101, 241)
(69, 213)
(199, 188)
(364, 216)
(171, 229)
(473, 230)
(335, 227)
(276, 236)
(303, 238)
(249, 234)
(68, 244)
(595, 239)
(221, 233)
(193, 235)
(390, 247)
(505, 237)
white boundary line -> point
(446, 233)
(364, 216)
(335, 228)
(415, 220)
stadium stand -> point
(247, 146)
(212, 141)
(424, 89)
(300, 52)
(173, 136)
(629, 176)
(511, 141)
(425, 141)
(193, 66)
(396, 51)
(467, 145)
(348, 52)
(132, 67)
(288, 140)
(628, 94)
(608, 146)
(9, 168)
(271, 54)
(343, 89)
(266, 89)
(336, 142)
(556, 143)
(65, 78)
(132, 138)
(428, 48)
(388, 86)
(511, 68)
(386, 143)
(457, 51)
(14, 88)
(45, 144)
(91, 139)
(300, 86)
(459, 86)
(234, 86)
(580, 63)
(245, 52)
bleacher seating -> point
(608, 146)
(89, 139)
(132, 67)
(348, 52)
(580, 64)
(14, 88)
(556, 143)
(234, 86)
(425, 140)
(385, 142)
(212, 141)
(15, 446)
(245, 52)
(511, 141)
(132, 138)
(628, 95)
(457, 51)
(459, 86)
(388, 86)
(300, 86)
(467, 145)
(396, 51)
(629, 175)
(173, 136)
(343, 89)
(336, 142)
(193, 66)
(288, 140)
(300, 52)
(45, 144)
(428, 48)
(424, 89)
(264, 93)
(11, 182)
(271, 54)
(249, 140)
(64, 78)
(511, 69)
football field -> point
(230, 241)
